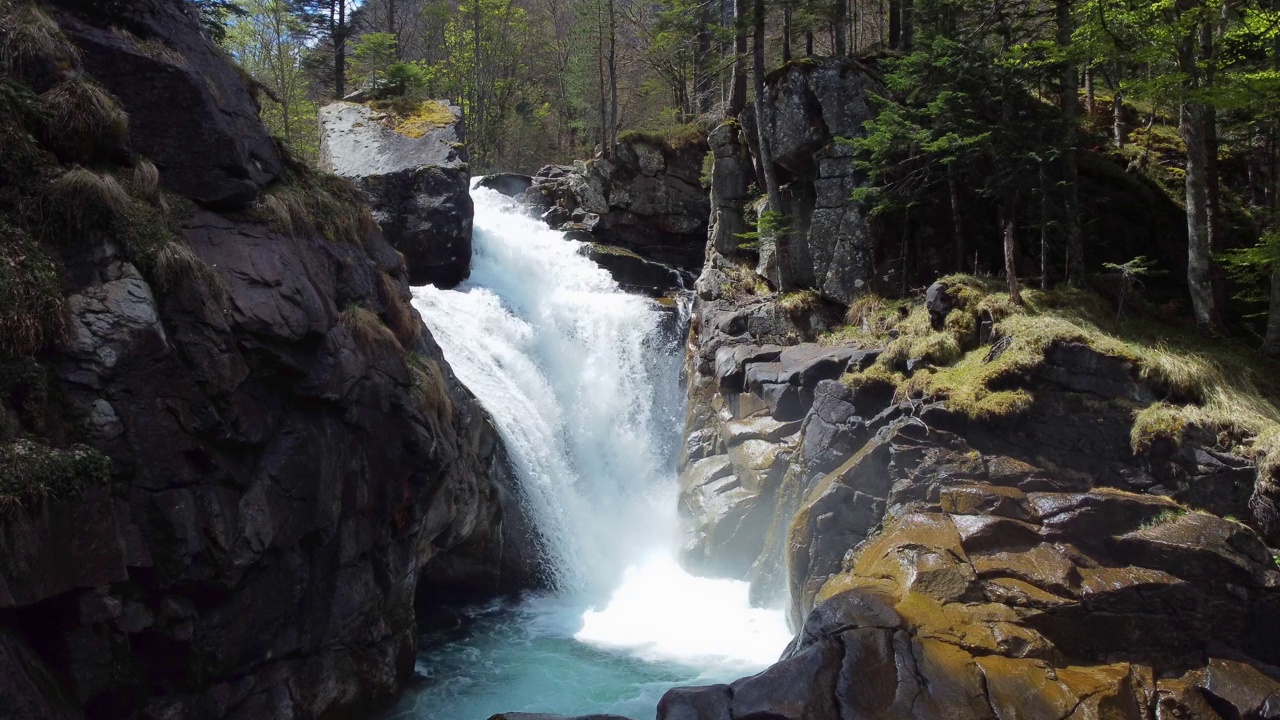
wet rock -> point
(509, 184)
(635, 274)
(417, 186)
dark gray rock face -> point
(637, 275)
(647, 198)
(417, 185)
(189, 111)
(295, 471)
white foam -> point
(583, 387)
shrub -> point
(32, 473)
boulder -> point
(509, 184)
(414, 174)
(635, 274)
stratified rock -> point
(647, 197)
(416, 180)
(190, 112)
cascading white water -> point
(582, 383)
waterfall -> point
(582, 382)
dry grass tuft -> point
(401, 318)
(84, 117)
(430, 391)
(145, 181)
(154, 48)
(796, 303)
(741, 282)
(366, 328)
(29, 38)
(175, 267)
(84, 197)
(313, 203)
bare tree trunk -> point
(1009, 231)
(738, 94)
(786, 31)
(838, 23)
(1198, 249)
(895, 24)
(703, 79)
(1118, 129)
(908, 25)
(1044, 232)
(602, 84)
(1271, 343)
(613, 74)
(957, 217)
(1089, 97)
(1070, 169)
(773, 192)
(338, 32)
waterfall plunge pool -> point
(582, 381)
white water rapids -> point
(582, 381)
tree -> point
(331, 26)
(767, 168)
(270, 42)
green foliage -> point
(32, 473)
(769, 225)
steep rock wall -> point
(292, 464)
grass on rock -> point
(1225, 389)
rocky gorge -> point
(240, 476)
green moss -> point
(708, 169)
(1225, 389)
(414, 118)
(602, 249)
(33, 312)
(672, 139)
(32, 473)
(1157, 423)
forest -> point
(993, 102)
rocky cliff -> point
(646, 198)
(232, 459)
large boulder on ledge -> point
(412, 167)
